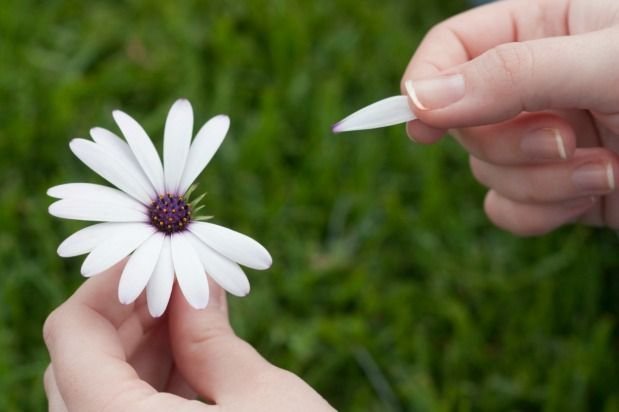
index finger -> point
(86, 351)
(89, 353)
(469, 34)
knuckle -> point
(436, 32)
(481, 149)
(512, 64)
(471, 141)
(48, 378)
(478, 170)
(219, 328)
(50, 326)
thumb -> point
(551, 73)
(215, 362)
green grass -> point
(390, 290)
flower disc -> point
(169, 213)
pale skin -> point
(106, 356)
(532, 71)
(538, 99)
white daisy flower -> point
(150, 216)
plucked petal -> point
(233, 245)
(176, 141)
(95, 193)
(115, 248)
(85, 240)
(118, 148)
(104, 164)
(159, 286)
(386, 112)
(139, 268)
(225, 272)
(203, 148)
(189, 272)
(142, 148)
(93, 211)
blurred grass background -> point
(390, 290)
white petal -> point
(203, 148)
(159, 286)
(189, 272)
(115, 248)
(139, 268)
(123, 154)
(104, 164)
(142, 148)
(93, 211)
(386, 112)
(176, 141)
(225, 272)
(233, 245)
(85, 240)
(95, 193)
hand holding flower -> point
(109, 356)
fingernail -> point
(594, 177)
(544, 143)
(436, 93)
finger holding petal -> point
(90, 360)
(226, 273)
(159, 288)
(203, 148)
(139, 268)
(142, 148)
(176, 141)
(115, 248)
(189, 272)
(235, 246)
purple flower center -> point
(169, 213)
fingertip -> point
(421, 133)
(179, 307)
(565, 138)
(217, 298)
(188, 321)
(523, 219)
(504, 214)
